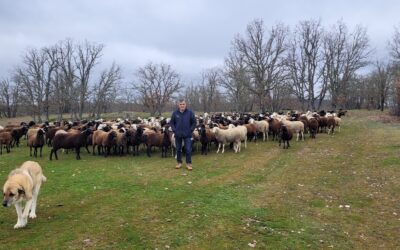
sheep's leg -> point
(298, 135)
(30, 151)
(78, 152)
(93, 148)
(41, 151)
(223, 147)
(148, 151)
(219, 145)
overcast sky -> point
(189, 35)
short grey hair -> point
(180, 100)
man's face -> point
(182, 106)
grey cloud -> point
(191, 35)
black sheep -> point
(285, 135)
(70, 141)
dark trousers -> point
(188, 149)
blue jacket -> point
(183, 124)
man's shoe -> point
(178, 166)
(189, 166)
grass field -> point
(335, 192)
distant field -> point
(335, 192)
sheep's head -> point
(41, 132)
(215, 130)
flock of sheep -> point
(120, 137)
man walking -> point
(183, 123)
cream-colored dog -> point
(23, 184)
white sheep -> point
(295, 127)
(235, 135)
(338, 122)
(261, 126)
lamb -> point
(285, 135)
(69, 141)
(5, 139)
(235, 135)
(36, 140)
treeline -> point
(307, 67)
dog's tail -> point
(44, 178)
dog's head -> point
(12, 192)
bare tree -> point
(105, 91)
(382, 79)
(86, 58)
(156, 83)
(64, 79)
(235, 79)
(344, 54)
(263, 55)
(35, 78)
(193, 97)
(9, 96)
(394, 45)
(209, 88)
(304, 63)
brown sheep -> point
(17, 133)
(104, 141)
(251, 131)
(50, 134)
(136, 139)
(69, 141)
(123, 136)
(6, 139)
(285, 135)
(313, 127)
(206, 137)
(331, 123)
(274, 127)
(161, 140)
(36, 140)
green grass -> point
(282, 199)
